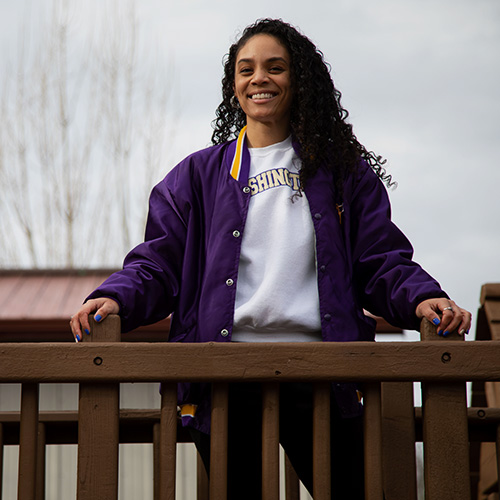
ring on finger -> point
(449, 308)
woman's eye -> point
(245, 71)
(276, 69)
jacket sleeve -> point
(148, 285)
(387, 281)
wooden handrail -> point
(343, 361)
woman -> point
(281, 235)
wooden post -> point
(373, 441)
(168, 440)
(270, 442)
(218, 442)
(498, 456)
(445, 431)
(321, 441)
(1, 457)
(201, 479)
(156, 461)
(98, 425)
(28, 438)
(292, 483)
(398, 441)
(40, 463)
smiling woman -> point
(263, 88)
(279, 232)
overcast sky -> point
(420, 79)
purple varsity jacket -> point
(188, 263)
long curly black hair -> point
(318, 120)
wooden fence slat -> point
(156, 461)
(498, 456)
(201, 479)
(168, 441)
(28, 442)
(373, 441)
(270, 442)
(292, 483)
(321, 441)
(218, 442)
(445, 432)
(398, 441)
(98, 425)
(1, 458)
(40, 463)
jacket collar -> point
(238, 157)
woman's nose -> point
(259, 76)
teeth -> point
(262, 96)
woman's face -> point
(262, 82)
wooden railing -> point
(386, 370)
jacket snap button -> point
(317, 216)
(246, 189)
(236, 234)
(224, 332)
(327, 317)
(229, 282)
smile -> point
(262, 95)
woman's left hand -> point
(453, 317)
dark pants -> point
(245, 443)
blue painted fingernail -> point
(446, 333)
(78, 338)
(440, 332)
(98, 317)
(86, 331)
(436, 321)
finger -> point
(108, 306)
(447, 310)
(427, 309)
(75, 328)
(465, 325)
(453, 317)
(80, 321)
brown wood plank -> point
(98, 427)
(40, 463)
(201, 479)
(492, 308)
(1, 456)
(218, 442)
(445, 433)
(26, 488)
(270, 442)
(321, 442)
(398, 441)
(351, 361)
(490, 291)
(156, 461)
(373, 441)
(498, 457)
(168, 446)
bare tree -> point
(83, 137)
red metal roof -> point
(36, 305)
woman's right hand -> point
(101, 307)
